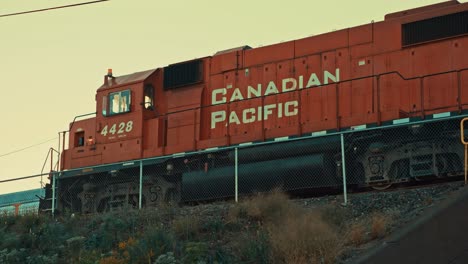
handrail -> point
(50, 153)
(76, 117)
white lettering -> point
(292, 87)
(217, 117)
(271, 89)
(246, 120)
(267, 111)
(236, 96)
(251, 90)
(233, 118)
(258, 113)
(287, 111)
(301, 82)
(214, 100)
(334, 78)
(280, 110)
(313, 81)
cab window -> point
(119, 102)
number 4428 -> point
(119, 129)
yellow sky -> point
(51, 63)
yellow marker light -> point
(462, 139)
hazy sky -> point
(51, 63)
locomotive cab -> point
(115, 134)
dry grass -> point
(186, 227)
(356, 234)
(304, 238)
(272, 207)
(294, 234)
(379, 224)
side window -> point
(119, 102)
(148, 99)
(79, 139)
(104, 105)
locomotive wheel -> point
(381, 187)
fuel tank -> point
(293, 173)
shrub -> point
(167, 258)
(271, 207)
(186, 227)
(153, 243)
(196, 252)
(215, 226)
(304, 238)
(255, 248)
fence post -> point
(53, 193)
(236, 172)
(140, 192)
(343, 167)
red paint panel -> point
(464, 89)
(423, 58)
(180, 139)
(86, 161)
(440, 91)
(459, 53)
(398, 61)
(184, 98)
(277, 52)
(362, 67)
(121, 151)
(387, 37)
(361, 34)
(343, 63)
(224, 62)
(181, 128)
(398, 98)
(363, 50)
(318, 108)
(321, 43)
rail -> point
(50, 154)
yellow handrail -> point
(462, 139)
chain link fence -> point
(363, 157)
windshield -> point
(119, 102)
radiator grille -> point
(182, 74)
(435, 28)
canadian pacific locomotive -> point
(410, 66)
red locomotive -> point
(413, 65)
